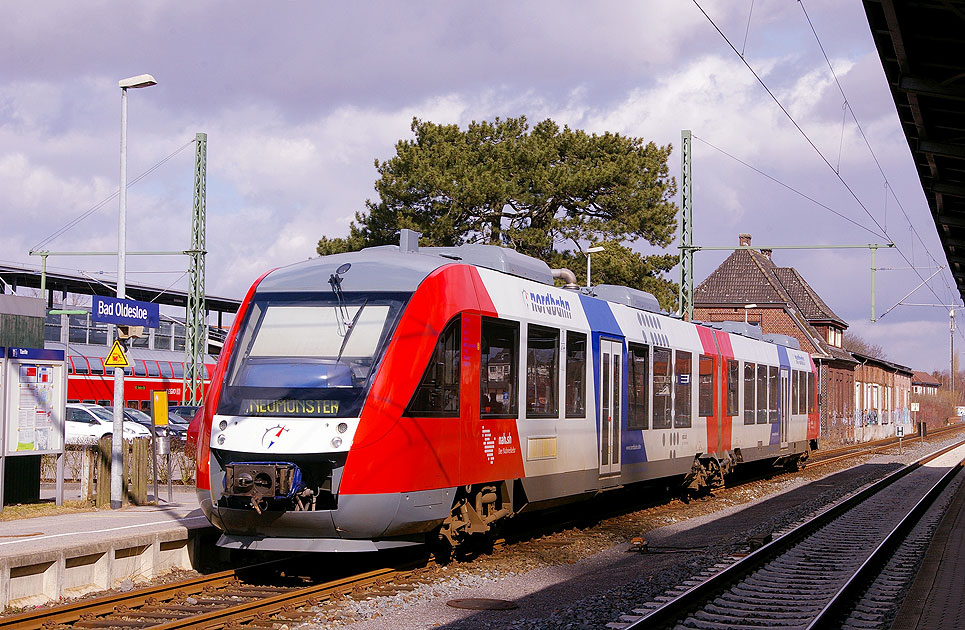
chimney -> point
(767, 252)
(745, 240)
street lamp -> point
(117, 453)
(747, 306)
(591, 250)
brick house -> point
(749, 287)
(923, 383)
(882, 397)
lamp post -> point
(591, 250)
(747, 306)
(117, 445)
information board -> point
(34, 400)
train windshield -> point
(308, 354)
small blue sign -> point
(125, 312)
(35, 354)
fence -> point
(89, 464)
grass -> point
(45, 507)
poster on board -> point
(34, 401)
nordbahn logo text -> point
(547, 304)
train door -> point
(785, 405)
(611, 354)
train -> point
(404, 395)
(89, 382)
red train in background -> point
(89, 381)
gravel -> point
(586, 578)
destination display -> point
(125, 312)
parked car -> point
(86, 422)
(185, 411)
(176, 426)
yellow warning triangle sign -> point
(116, 357)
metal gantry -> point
(685, 300)
(195, 342)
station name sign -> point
(125, 312)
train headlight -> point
(223, 425)
(342, 427)
(336, 441)
(220, 440)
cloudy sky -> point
(299, 99)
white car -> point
(87, 423)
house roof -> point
(884, 364)
(749, 276)
(925, 379)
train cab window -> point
(705, 386)
(662, 383)
(733, 387)
(498, 365)
(139, 369)
(542, 372)
(683, 400)
(166, 371)
(773, 384)
(761, 394)
(152, 369)
(639, 411)
(811, 392)
(750, 386)
(575, 375)
(437, 395)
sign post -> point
(900, 432)
(125, 314)
(914, 420)
(162, 446)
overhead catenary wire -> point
(110, 197)
(807, 138)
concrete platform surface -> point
(935, 600)
(48, 558)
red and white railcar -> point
(371, 399)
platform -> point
(51, 557)
(935, 600)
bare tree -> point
(852, 342)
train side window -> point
(542, 372)
(705, 386)
(639, 412)
(662, 380)
(96, 365)
(104, 403)
(166, 371)
(773, 385)
(795, 391)
(575, 375)
(80, 365)
(498, 365)
(139, 369)
(761, 394)
(152, 369)
(437, 395)
(178, 369)
(811, 392)
(749, 388)
(733, 387)
(683, 401)
(802, 403)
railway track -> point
(246, 595)
(813, 575)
